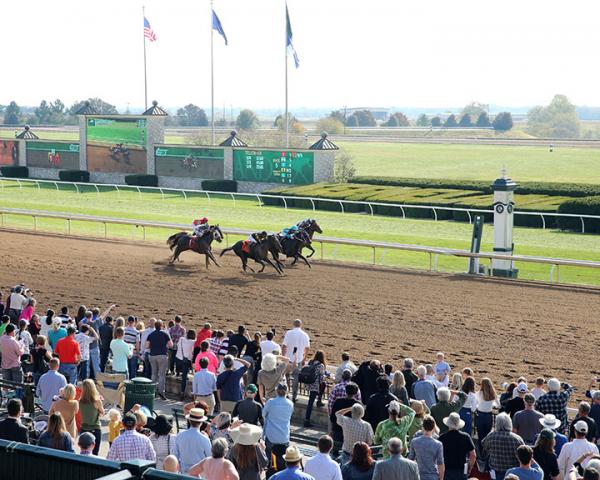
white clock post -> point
(504, 189)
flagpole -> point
(145, 71)
(212, 75)
(287, 123)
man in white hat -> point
(191, 446)
(550, 422)
(573, 451)
(517, 403)
(458, 449)
(396, 467)
(292, 459)
(556, 401)
(322, 466)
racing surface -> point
(499, 328)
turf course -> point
(247, 214)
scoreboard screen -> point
(194, 162)
(289, 167)
(106, 130)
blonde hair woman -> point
(398, 387)
(457, 381)
(486, 402)
(90, 406)
(68, 407)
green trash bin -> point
(139, 390)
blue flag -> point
(288, 29)
(216, 25)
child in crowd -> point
(114, 425)
(538, 390)
(442, 370)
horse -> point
(310, 227)
(292, 247)
(259, 252)
(182, 241)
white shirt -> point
(344, 366)
(322, 467)
(471, 401)
(144, 337)
(296, 338)
(538, 392)
(269, 346)
(18, 301)
(486, 406)
(571, 452)
(185, 348)
(84, 341)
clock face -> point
(509, 209)
(500, 208)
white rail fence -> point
(433, 252)
(470, 212)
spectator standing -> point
(526, 423)
(50, 384)
(296, 344)
(501, 446)
(106, 336)
(184, 358)
(409, 375)
(366, 378)
(396, 467)
(315, 388)
(12, 350)
(132, 337)
(162, 439)
(239, 340)
(176, 332)
(158, 344)
(34, 326)
(205, 351)
(354, 428)
(81, 311)
(573, 451)
(249, 410)
(528, 469)
(277, 414)
(458, 449)
(595, 408)
(64, 317)
(445, 406)
(543, 454)
(114, 425)
(486, 403)
(215, 467)
(271, 375)
(91, 408)
(69, 353)
(4, 324)
(28, 310)
(322, 466)
(417, 424)
(192, 446)
(96, 322)
(68, 407)
(345, 365)
(203, 334)
(470, 406)
(423, 389)
(23, 336)
(204, 386)
(361, 465)
(56, 333)
(229, 386)
(131, 445)
(2, 306)
(11, 428)
(555, 402)
(17, 302)
(538, 390)
(292, 459)
(56, 435)
(396, 426)
(583, 414)
(517, 403)
(121, 352)
(348, 400)
(87, 444)
(40, 356)
(247, 454)
(85, 338)
(269, 346)
(339, 391)
(144, 351)
(398, 387)
(428, 452)
(551, 423)
(376, 407)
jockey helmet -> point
(203, 220)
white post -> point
(287, 124)
(504, 188)
(212, 75)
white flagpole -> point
(145, 71)
(287, 124)
(212, 75)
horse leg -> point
(245, 264)
(277, 269)
(295, 259)
(175, 255)
(206, 258)
(212, 257)
(312, 251)
(305, 260)
(263, 265)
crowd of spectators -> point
(432, 422)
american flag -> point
(148, 32)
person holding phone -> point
(296, 344)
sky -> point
(372, 53)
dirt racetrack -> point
(499, 328)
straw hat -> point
(550, 421)
(454, 421)
(292, 454)
(196, 415)
(246, 434)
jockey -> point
(290, 232)
(257, 237)
(305, 223)
(200, 226)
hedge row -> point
(79, 176)
(219, 185)
(10, 171)
(470, 199)
(582, 206)
(525, 188)
(142, 180)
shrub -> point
(74, 176)
(142, 180)
(583, 206)
(219, 185)
(10, 171)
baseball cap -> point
(581, 427)
(522, 388)
(86, 440)
(394, 406)
(252, 388)
(129, 420)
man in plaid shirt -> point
(175, 332)
(501, 446)
(555, 402)
(131, 445)
(339, 390)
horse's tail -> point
(172, 240)
(225, 251)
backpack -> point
(309, 373)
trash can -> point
(139, 390)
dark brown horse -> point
(259, 252)
(182, 241)
(310, 226)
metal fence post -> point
(582, 225)
(233, 198)
(284, 203)
(313, 204)
(342, 205)
(374, 257)
(543, 222)
(435, 214)
(259, 202)
(371, 208)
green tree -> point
(99, 105)
(436, 121)
(247, 120)
(450, 121)
(330, 125)
(364, 118)
(43, 112)
(474, 109)
(557, 120)
(465, 121)
(192, 116)
(352, 121)
(280, 122)
(338, 115)
(483, 120)
(503, 122)
(12, 114)
(397, 119)
(423, 121)
(343, 167)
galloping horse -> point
(310, 227)
(258, 252)
(292, 247)
(182, 241)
